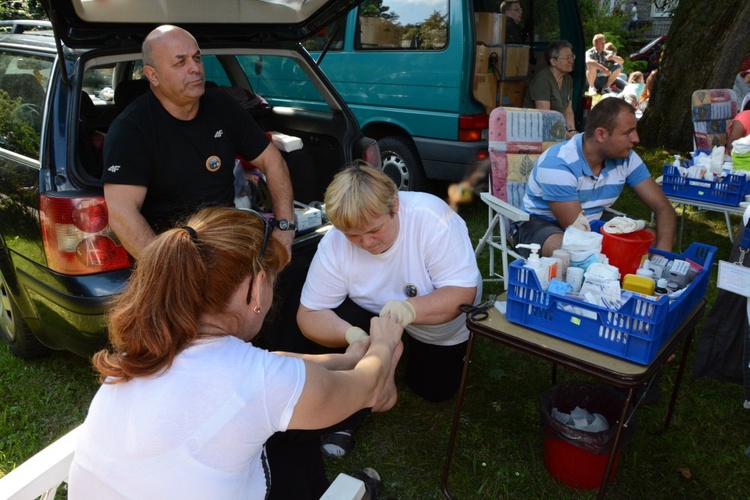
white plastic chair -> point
(42, 475)
(517, 138)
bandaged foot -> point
(389, 395)
(402, 311)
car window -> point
(23, 88)
(402, 25)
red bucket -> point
(626, 251)
(575, 467)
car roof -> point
(93, 23)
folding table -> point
(704, 205)
(606, 368)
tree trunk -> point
(706, 44)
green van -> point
(406, 70)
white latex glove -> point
(355, 334)
(402, 310)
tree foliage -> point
(704, 50)
(23, 9)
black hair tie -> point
(192, 233)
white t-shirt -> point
(432, 250)
(196, 431)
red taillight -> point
(587, 100)
(372, 155)
(473, 127)
(77, 237)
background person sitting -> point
(552, 88)
(635, 86)
(598, 74)
(739, 128)
(187, 401)
(742, 85)
(622, 78)
(648, 89)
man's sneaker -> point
(592, 91)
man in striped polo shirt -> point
(587, 174)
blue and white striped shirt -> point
(562, 174)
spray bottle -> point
(535, 263)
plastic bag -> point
(595, 398)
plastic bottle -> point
(574, 277)
(564, 257)
(661, 287)
(535, 263)
(676, 162)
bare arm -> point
(566, 212)
(736, 131)
(600, 67)
(570, 121)
(335, 361)
(666, 219)
(323, 326)
(124, 204)
(330, 396)
(273, 166)
(441, 305)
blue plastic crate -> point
(635, 332)
(730, 191)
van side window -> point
(402, 25)
(23, 88)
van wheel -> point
(14, 332)
(401, 163)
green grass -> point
(499, 450)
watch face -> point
(284, 224)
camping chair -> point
(517, 138)
(713, 111)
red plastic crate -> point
(635, 332)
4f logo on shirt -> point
(218, 134)
(213, 163)
(114, 168)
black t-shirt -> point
(185, 165)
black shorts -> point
(535, 230)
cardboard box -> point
(482, 59)
(378, 32)
(490, 28)
(510, 93)
(515, 61)
(485, 90)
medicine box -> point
(635, 332)
(729, 191)
(307, 218)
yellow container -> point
(640, 284)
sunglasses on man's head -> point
(266, 235)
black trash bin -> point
(579, 458)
